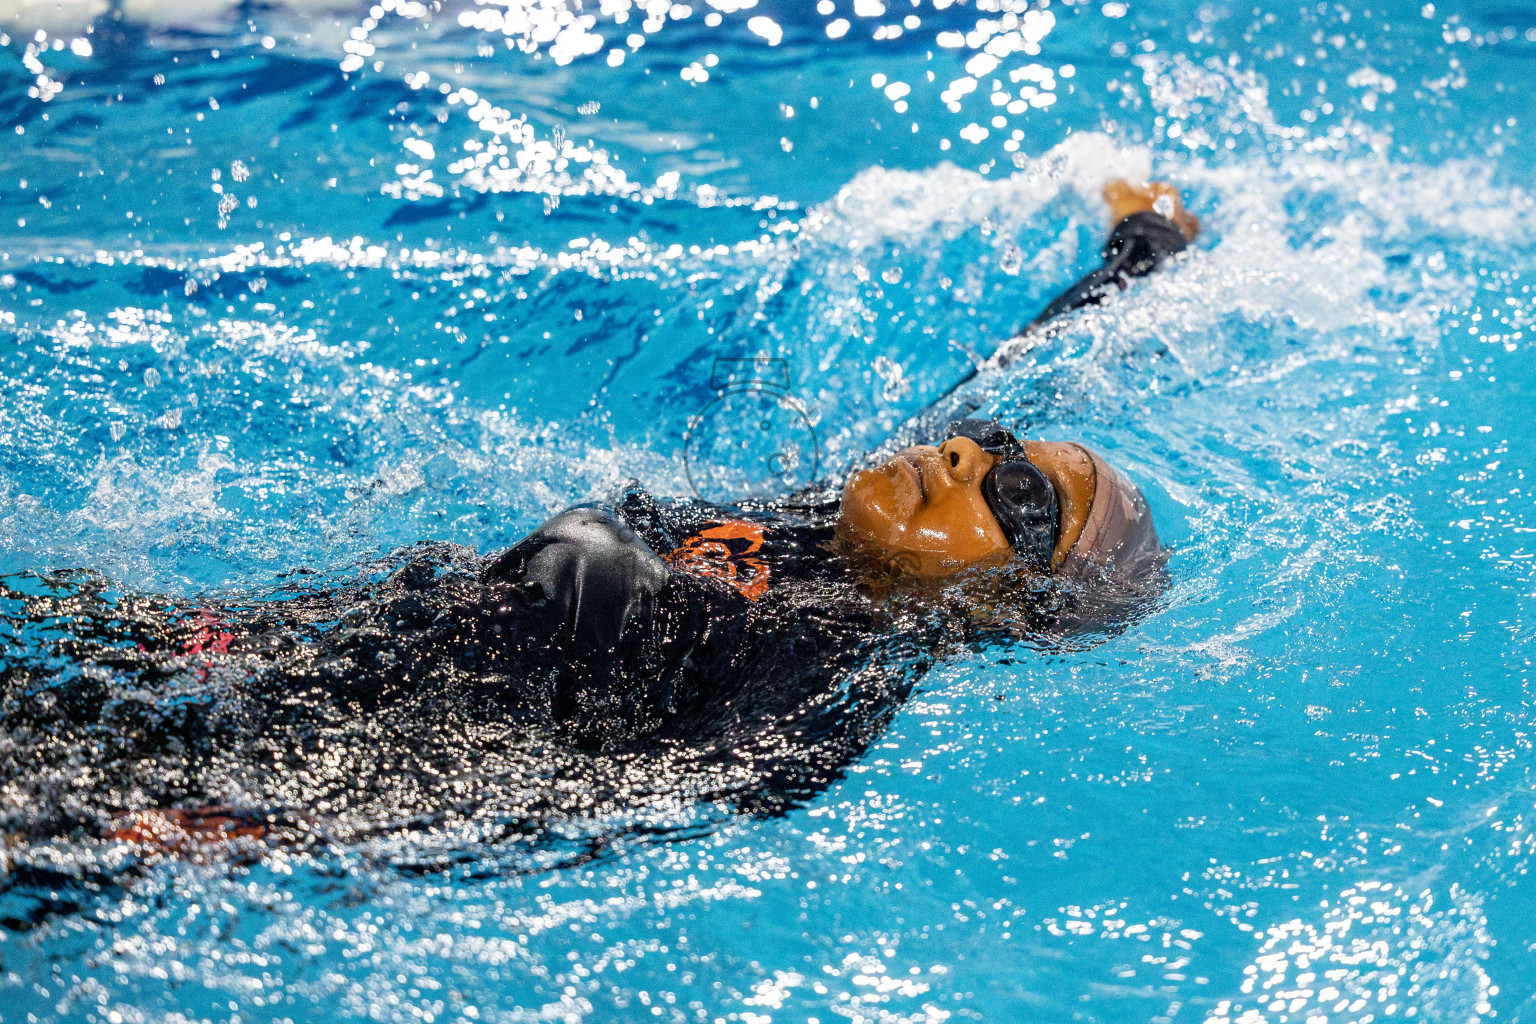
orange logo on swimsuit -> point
(727, 550)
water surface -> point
(292, 285)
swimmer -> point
(625, 655)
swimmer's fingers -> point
(159, 829)
(190, 833)
(1125, 199)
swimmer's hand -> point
(1125, 199)
(194, 834)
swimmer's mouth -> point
(913, 469)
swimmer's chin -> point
(884, 569)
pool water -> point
(290, 285)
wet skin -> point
(1125, 199)
(922, 513)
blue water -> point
(242, 331)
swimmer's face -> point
(923, 513)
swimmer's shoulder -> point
(753, 547)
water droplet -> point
(1012, 260)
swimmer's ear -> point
(1125, 199)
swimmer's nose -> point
(964, 460)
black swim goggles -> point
(1019, 495)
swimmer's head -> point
(930, 512)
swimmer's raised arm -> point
(1150, 225)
